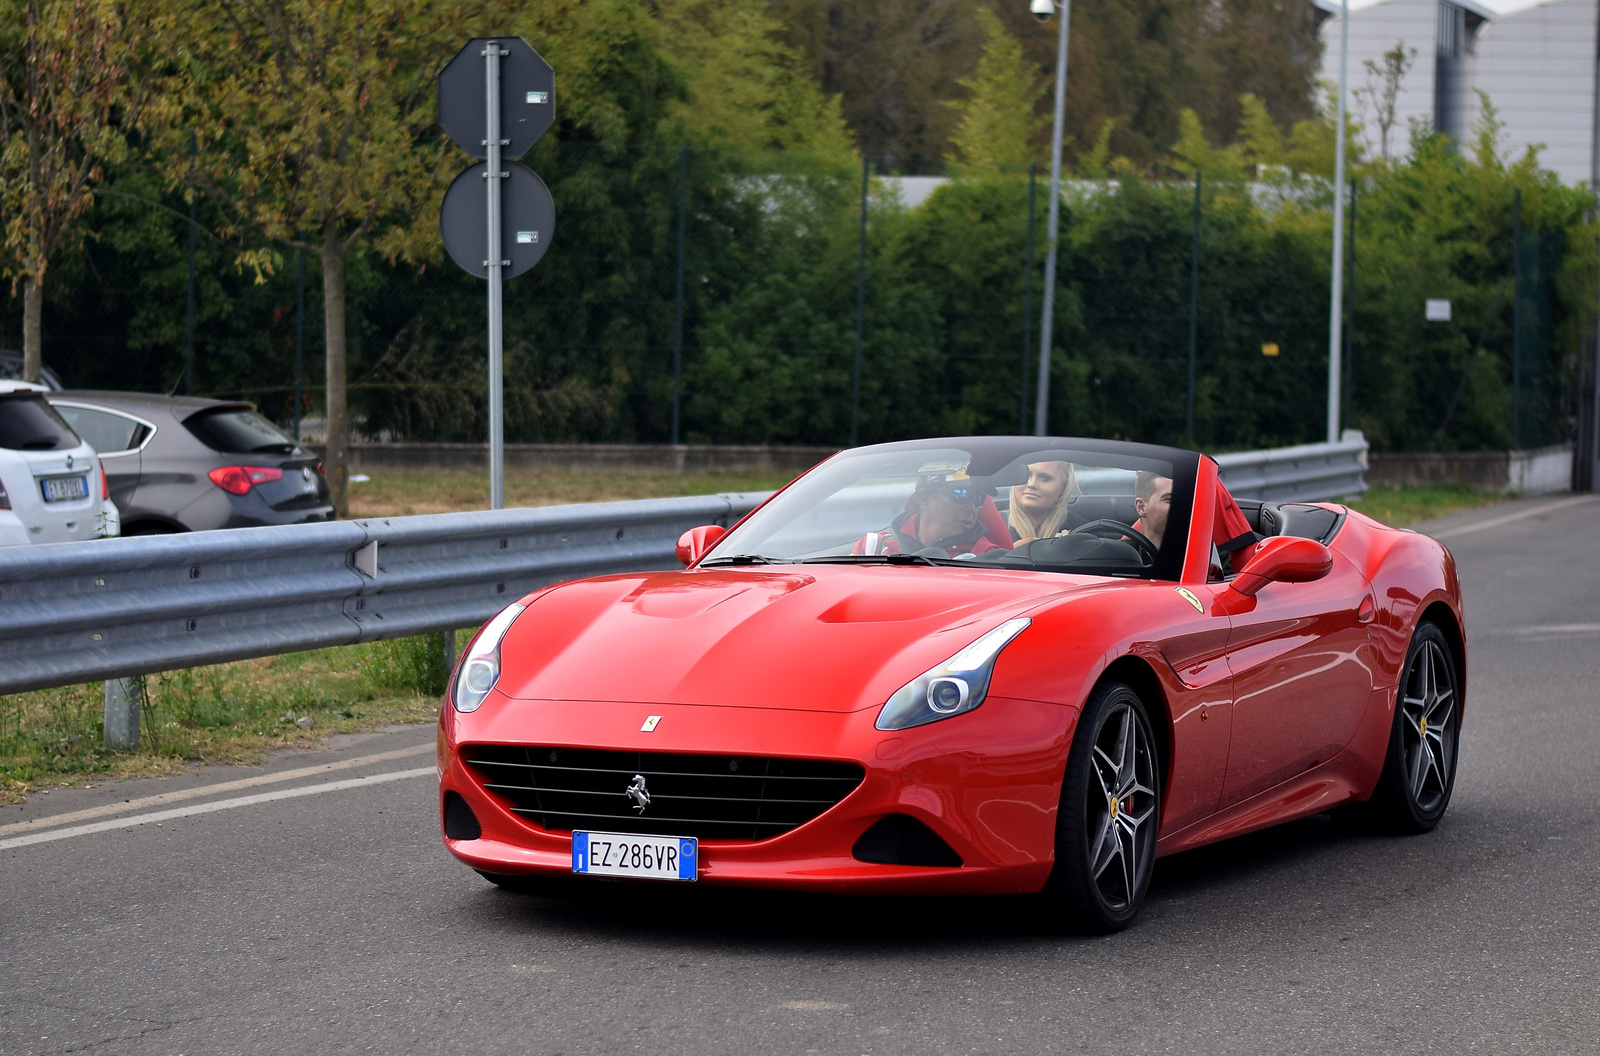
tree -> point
(893, 62)
(999, 116)
(72, 88)
(747, 89)
(1268, 49)
(1382, 89)
(312, 123)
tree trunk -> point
(32, 308)
(336, 459)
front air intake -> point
(902, 840)
(459, 821)
(712, 797)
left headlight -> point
(480, 668)
(954, 687)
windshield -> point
(239, 431)
(1034, 503)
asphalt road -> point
(333, 921)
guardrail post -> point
(123, 699)
(447, 649)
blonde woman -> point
(1039, 507)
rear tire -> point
(1419, 770)
(1110, 811)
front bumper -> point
(986, 782)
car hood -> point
(830, 638)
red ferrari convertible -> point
(972, 665)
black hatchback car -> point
(183, 464)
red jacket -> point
(989, 533)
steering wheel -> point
(1107, 528)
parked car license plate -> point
(63, 489)
(642, 857)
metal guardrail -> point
(1305, 473)
(109, 609)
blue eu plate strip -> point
(686, 860)
(580, 852)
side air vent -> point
(459, 821)
(902, 840)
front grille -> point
(712, 797)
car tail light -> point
(236, 480)
(320, 473)
(105, 488)
(5, 500)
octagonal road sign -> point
(527, 220)
(527, 97)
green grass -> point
(224, 713)
(397, 493)
(1413, 505)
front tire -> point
(1419, 771)
(1110, 811)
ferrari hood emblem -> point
(638, 794)
(1188, 595)
(650, 724)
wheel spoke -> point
(1425, 763)
(1105, 848)
(1413, 711)
(1442, 709)
(1129, 866)
(1125, 746)
(1101, 767)
(1415, 762)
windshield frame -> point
(990, 454)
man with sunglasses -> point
(946, 513)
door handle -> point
(1367, 610)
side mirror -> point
(1282, 559)
(693, 544)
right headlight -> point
(480, 668)
(952, 688)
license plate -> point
(640, 857)
(64, 489)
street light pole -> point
(1336, 294)
(1053, 224)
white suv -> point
(52, 486)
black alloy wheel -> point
(1419, 771)
(1110, 812)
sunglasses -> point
(963, 494)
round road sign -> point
(527, 220)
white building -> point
(1540, 67)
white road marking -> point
(1546, 629)
(53, 820)
(1495, 522)
(208, 808)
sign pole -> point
(1336, 295)
(1052, 231)
(492, 173)
(496, 98)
